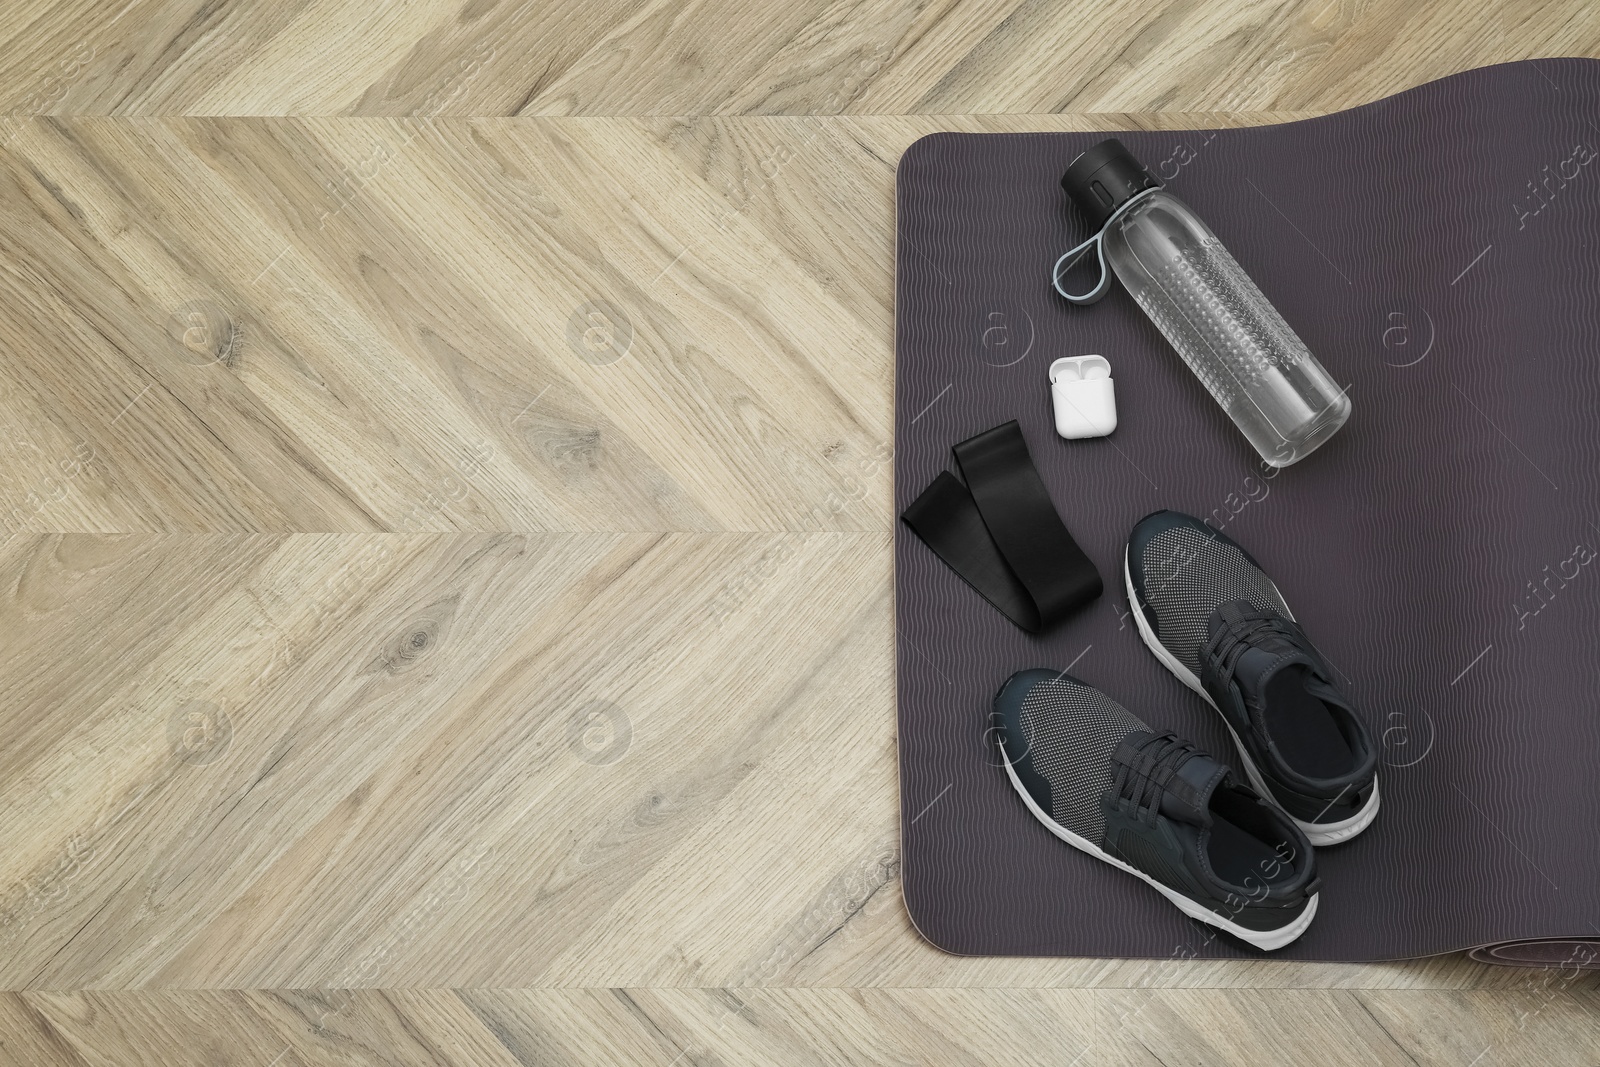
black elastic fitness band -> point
(1001, 533)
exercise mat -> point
(1439, 251)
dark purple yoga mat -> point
(1440, 252)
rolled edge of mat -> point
(1564, 953)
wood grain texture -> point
(734, 57)
(454, 551)
(654, 1027)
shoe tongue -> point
(1258, 666)
(1187, 797)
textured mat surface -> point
(1440, 252)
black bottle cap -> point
(1104, 178)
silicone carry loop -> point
(1103, 286)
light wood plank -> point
(652, 1027)
(660, 57)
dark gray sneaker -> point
(1150, 804)
(1213, 618)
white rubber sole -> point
(1319, 834)
(1267, 940)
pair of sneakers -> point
(1237, 854)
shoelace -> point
(1243, 630)
(1143, 780)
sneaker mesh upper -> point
(1071, 731)
(1188, 573)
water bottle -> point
(1202, 301)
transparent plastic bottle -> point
(1198, 296)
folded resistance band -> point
(1001, 533)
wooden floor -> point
(445, 507)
